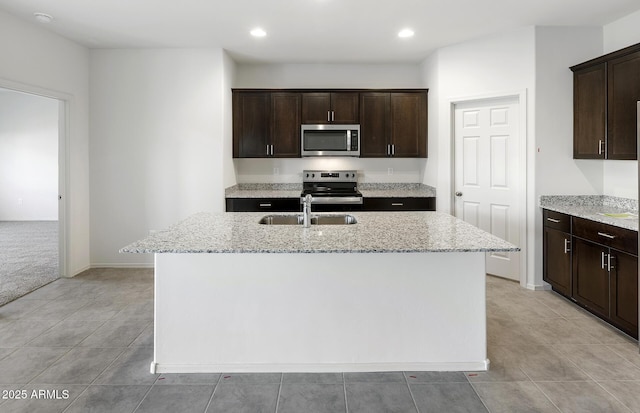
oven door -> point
(330, 140)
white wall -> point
(365, 76)
(555, 171)
(35, 60)
(28, 157)
(621, 177)
(228, 80)
(328, 76)
(489, 65)
(534, 60)
(157, 138)
(622, 33)
(431, 78)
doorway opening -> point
(31, 247)
(490, 174)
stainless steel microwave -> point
(330, 140)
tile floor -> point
(84, 345)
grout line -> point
(344, 387)
(279, 391)
(143, 398)
(479, 398)
(413, 399)
(212, 393)
(542, 391)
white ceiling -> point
(307, 30)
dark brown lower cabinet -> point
(590, 276)
(595, 265)
(263, 204)
(624, 292)
(399, 204)
(557, 262)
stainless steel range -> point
(332, 190)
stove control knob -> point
(313, 175)
(307, 175)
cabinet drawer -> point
(399, 204)
(557, 220)
(263, 204)
(618, 238)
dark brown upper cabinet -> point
(605, 93)
(266, 124)
(330, 107)
(393, 124)
(251, 124)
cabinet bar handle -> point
(388, 150)
(602, 234)
(566, 246)
(555, 221)
(397, 204)
(267, 150)
(609, 259)
(268, 205)
(393, 150)
(333, 116)
(600, 147)
(271, 150)
(602, 260)
(328, 116)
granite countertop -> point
(375, 232)
(372, 190)
(593, 207)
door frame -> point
(63, 162)
(521, 97)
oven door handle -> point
(336, 200)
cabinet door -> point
(624, 292)
(399, 204)
(251, 118)
(285, 124)
(623, 94)
(589, 111)
(557, 260)
(316, 107)
(263, 204)
(344, 106)
(409, 125)
(374, 124)
(590, 280)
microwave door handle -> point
(348, 140)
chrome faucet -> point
(306, 211)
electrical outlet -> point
(276, 171)
(389, 171)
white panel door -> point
(487, 148)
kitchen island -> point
(400, 291)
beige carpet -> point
(28, 257)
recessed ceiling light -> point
(406, 33)
(258, 32)
(43, 17)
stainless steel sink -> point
(333, 220)
(281, 220)
(315, 220)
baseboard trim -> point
(123, 265)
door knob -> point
(458, 193)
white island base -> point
(319, 312)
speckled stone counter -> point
(396, 190)
(377, 190)
(264, 191)
(593, 207)
(375, 232)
